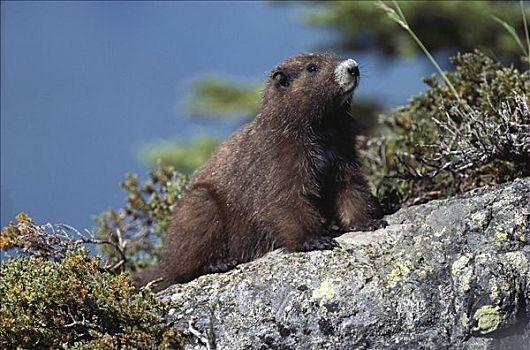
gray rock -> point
(449, 274)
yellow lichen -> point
(401, 270)
(423, 274)
(465, 321)
(418, 239)
(499, 288)
(501, 235)
(488, 319)
(505, 287)
(462, 272)
(440, 233)
(325, 290)
(460, 263)
(494, 290)
(517, 260)
(519, 220)
(479, 218)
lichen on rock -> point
(439, 276)
(488, 319)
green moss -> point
(488, 319)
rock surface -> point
(449, 274)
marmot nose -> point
(347, 74)
(354, 70)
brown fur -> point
(278, 182)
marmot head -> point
(309, 83)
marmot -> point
(277, 182)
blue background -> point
(85, 85)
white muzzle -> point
(347, 75)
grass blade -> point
(400, 18)
(512, 32)
(525, 30)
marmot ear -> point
(281, 79)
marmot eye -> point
(282, 79)
(312, 68)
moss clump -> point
(68, 300)
(440, 144)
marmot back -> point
(279, 181)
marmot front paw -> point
(221, 265)
(369, 225)
(321, 243)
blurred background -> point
(93, 90)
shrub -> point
(68, 300)
(441, 144)
(139, 227)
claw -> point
(221, 265)
(321, 243)
(369, 225)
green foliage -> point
(138, 228)
(466, 25)
(221, 97)
(185, 158)
(70, 301)
(212, 97)
(440, 144)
